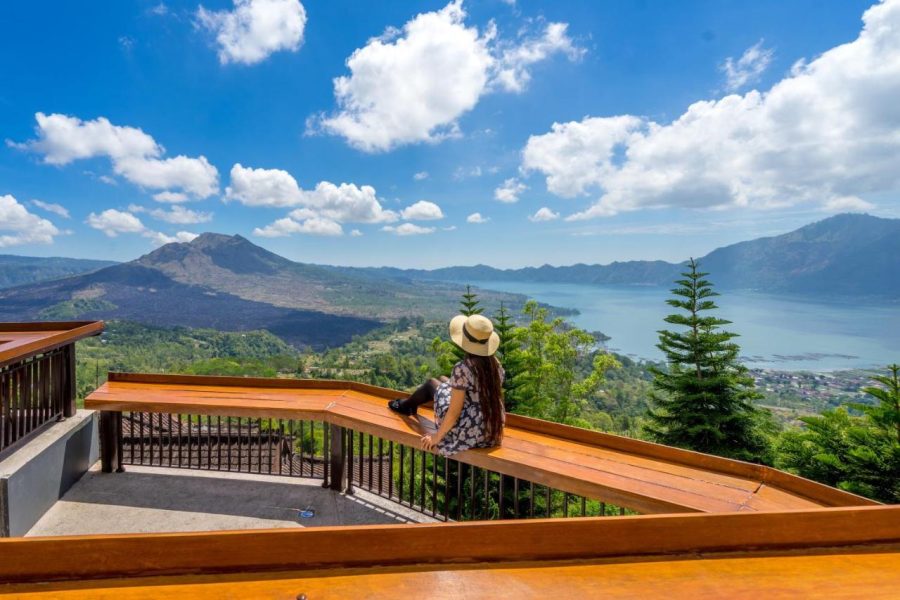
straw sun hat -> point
(474, 334)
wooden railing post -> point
(68, 386)
(110, 448)
(337, 457)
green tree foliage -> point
(860, 454)
(703, 400)
(553, 384)
(510, 356)
(470, 304)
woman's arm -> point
(457, 400)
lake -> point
(776, 332)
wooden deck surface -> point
(646, 477)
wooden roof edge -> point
(41, 559)
(69, 332)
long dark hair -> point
(490, 393)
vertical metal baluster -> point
(359, 456)
(390, 469)
(218, 442)
(150, 428)
(230, 440)
(434, 484)
(349, 445)
(326, 439)
(472, 492)
(460, 473)
(446, 488)
(380, 464)
(371, 458)
(549, 501)
(501, 501)
(486, 506)
(622, 511)
(583, 505)
(565, 504)
(280, 442)
(516, 497)
(412, 477)
(401, 481)
(141, 438)
(422, 483)
(240, 445)
(302, 441)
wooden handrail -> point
(131, 555)
(579, 461)
(48, 335)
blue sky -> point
(680, 127)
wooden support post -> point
(110, 449)
(338, 454)
(67, 389)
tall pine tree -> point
(510, 356)
(704, 399)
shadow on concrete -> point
(235, 495)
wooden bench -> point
(646, 477)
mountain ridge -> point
(846, 254)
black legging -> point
(423, 395)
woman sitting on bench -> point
(468, 406)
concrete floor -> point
(152, 499)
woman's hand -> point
(429, 442)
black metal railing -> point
(449, 489)
(35, 392)
(215, 443)
(434, 485)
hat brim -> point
(456, 335)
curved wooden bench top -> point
(646, 477)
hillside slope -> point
(228, 283)
(21, 270)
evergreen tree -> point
(703, 401)
(509, 354)
(858, 454)
(470, 304)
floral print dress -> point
(470, 430)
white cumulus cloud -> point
(847, 204)
(254, 29)
(18, 226)
(423, 210)
(311, 225)
(134, 154)
(477, 218)
(114, 222)
(408, 229)
(180, 215)
(510, 190)
(828, 130)
(543, 214)
(420, 175)
(411, 85)
(316, 211)
(748, 68)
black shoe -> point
(398, 407)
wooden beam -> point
(99, 556)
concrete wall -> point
(36, 475)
